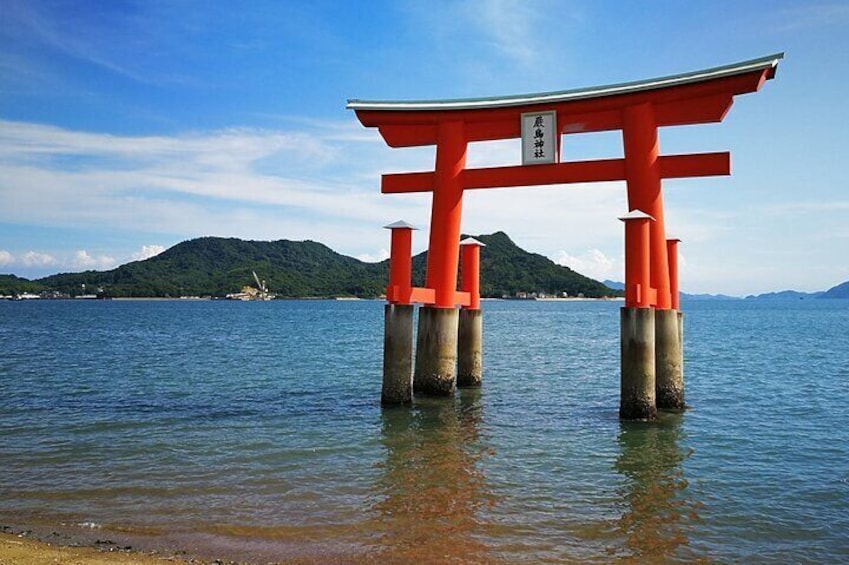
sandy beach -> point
(18, 550)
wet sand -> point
(65, 545)
(21, 550)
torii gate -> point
(651, 324)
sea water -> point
(253, 431)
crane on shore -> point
(263, 289)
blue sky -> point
(127, 127)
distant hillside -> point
(784, 295)
(211, 266)
(616, 285)
(839, 291)
(684, 296)
(507, 269)
(10, 285)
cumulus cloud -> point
(382, 255)
(592, 263)
(146, 252)
(82, 260)
(36, 259)
(6, 258)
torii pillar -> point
(470, 330)
(637, 388)
(398, 319)
(436, 343)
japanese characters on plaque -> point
(539, 138)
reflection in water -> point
(659, 510)
(431, 492)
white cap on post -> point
(636, 215)
(400, 224)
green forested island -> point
(212, 266)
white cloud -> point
(6, 258)
(146, 252)
(82, 260)
(119, 181)
(592, 263)
(36, 259)
(382, 255)
(510, 28)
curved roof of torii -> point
(695, 97)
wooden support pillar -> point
(643, 174)
(637, 378)
(400, 286)
(436, 342)
(638, 290)
(470, 332)
(398, 319)
(444, 248)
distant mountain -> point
(211, 266)
(839, 291)
(784, 295)
(684, 296)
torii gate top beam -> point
(691, 98)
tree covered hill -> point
(506, 269)
(10, 285)
(211, 266)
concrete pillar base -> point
(637, 389)
(397, 355)
(436, 352)
(470, 348)
(669, 385)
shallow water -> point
(254, 431)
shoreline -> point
(80, 544)
(26, 548)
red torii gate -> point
(638, 109)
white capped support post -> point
(398, 319)
(470, 329)
(637, 386)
